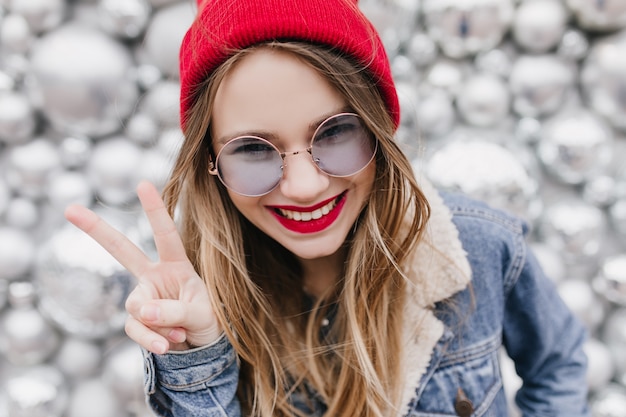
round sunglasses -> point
(252, 166)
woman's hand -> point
(170, 308)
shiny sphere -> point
(464, 28)
(575, 146)
(486, 171)
(603, 79)
(538, 25)
(37, 391)
(583, 302)
(597, 15)
(147, 76)
(610, 401)
(447, 74)
(393, 19)
(42, 15)
(155, 166)
(5, 196)
(170, 141)
(142, 129)
(69, 187)
(162, 3)
(407, 96)
(574, 45)
(29, 166)
(75, 151)
(483, 100)
(93, 398)
(7, 83)
(17, 253)
(527, 130)
(112, 170)
(494, 61)
(600, 369)
(617, 216)
(550, 260)
(94, 73)
(540, 84)
(17, 118)
(436, 114)
(611, 279)
(122, 371)
(600, 190)
(164, 35)
(78, 358)
(82, 287)
(574, 228)
(422, 49)
(161, 103)
(614, 335)
(27, 337)
(403, 69)
(4, 289)
(22, 213)
(125, 18)
(15, 34)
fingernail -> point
(177, 336)
(150, 313)
(159, 348)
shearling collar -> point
(438, 269)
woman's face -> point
(273, 95)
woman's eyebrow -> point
(272, 137)
(267, 135)
(315, 124)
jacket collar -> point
(437, 270)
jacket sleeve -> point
(201, 382)
(546, 342)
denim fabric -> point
(510, 304)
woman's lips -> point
(310, 219)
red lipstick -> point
(313, 225)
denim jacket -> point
(451, 359)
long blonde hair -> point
(256, 284)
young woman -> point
(311, 273)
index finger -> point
(166, 237)
(113, 241)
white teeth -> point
(305, 216)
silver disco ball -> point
(594, 15)
(575, 146)
(82, 80)
(463, 28)
(611, 279)
(486, 171)
(82, 287)
(603, 78)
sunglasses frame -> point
(213, 164)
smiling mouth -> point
(312, 220)
(307, 216)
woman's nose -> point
(302, 181)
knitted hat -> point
(222, 26)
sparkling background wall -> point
(519, 103)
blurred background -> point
(521, 103)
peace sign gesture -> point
(170, 308)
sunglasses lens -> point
(342, 146)
(252, 166)
(249, 166)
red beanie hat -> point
(223, 26)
